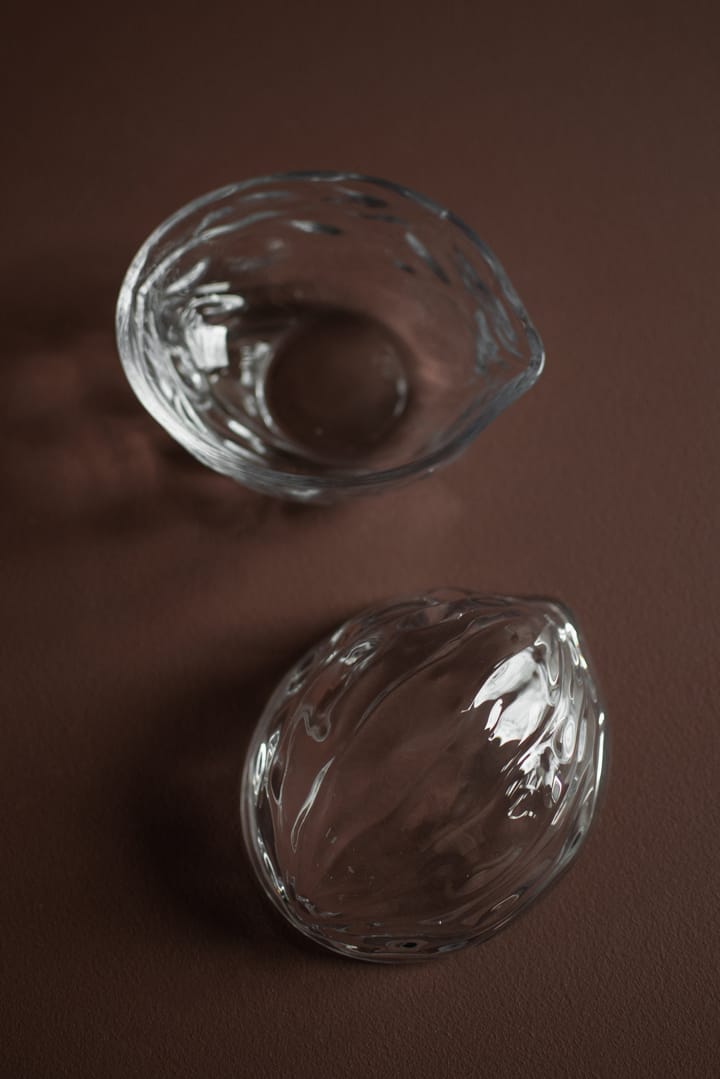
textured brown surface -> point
(148, 606)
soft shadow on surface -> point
(184, 812)
(76, 444)
(153, 581)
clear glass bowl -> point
(426, 772)
(316, 335)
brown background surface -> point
(148, 606)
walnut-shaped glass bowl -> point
(318, 335)
(423, 774)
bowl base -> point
(338, 387)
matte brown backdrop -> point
(148, 606)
